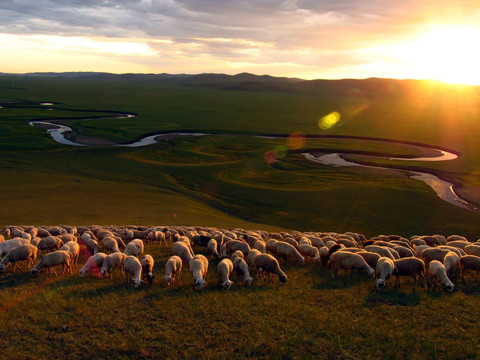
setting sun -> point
(448, 53)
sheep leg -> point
(476, 276)
(397, 281)
(15, 266)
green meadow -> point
(225, 181)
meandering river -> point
(444, 189)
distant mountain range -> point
(372, 87)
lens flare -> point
(270, 157)
(329, 120)
(296, 140)
(281, 151)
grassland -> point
(317, 317)
(224, 177)
(224, 181)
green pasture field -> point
(311, 316)
(224, 180)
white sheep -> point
(147, 267)
(198, 269)
(93, 264)
(112, 261)
(25, 252)
(261, 246)
(472, 250)
(437, 271)
(50, 260)
(67, 238)
(471, 262)
(110, 244)
(8, 245)
(74, 249)
(307, 250)
(410, 266)
(92, 246)
(266, 263)
(133, 270)
(134, 247)
(451, 261)
(240, 266)
(173, 267)
(233, 245)
(212, 248)
(348, 261)
(225, 268)
(287, 251)
(183, 250)
(384, 271)
(251, 256)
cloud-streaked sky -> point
(295, 38)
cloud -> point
(292, 34)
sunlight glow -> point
(448, 53)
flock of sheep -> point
(249, 253)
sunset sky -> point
(295, 38)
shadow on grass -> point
(342, 281)
(12, 280)
(394, 296)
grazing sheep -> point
(231, 246)
(456, 237)
(25, 252)
(261, 246)
(183, 250)
(403, 251)
(470, 262)
(50, 260)
(437, 271)
(304, 240)
(410, 266)
(173, 267)
(309, 251)
(74, 249)
(331, 250)
(269, 244)
(456, 250)
(225, 268)
(459, 244)
(433, 254)
(147, 268)
(287, 251)
(266, 263)
(212, 248)
(347, 243)
(419, 249)
(92, 246)
(237, 254)
(93, 264)
(199, 268)
(241, 267)
(451, 261)
(348, 261)
(384, 271)
(382, 251)
(49, 243)
(370, 257)
(317, 242)
(251, 256)
(133, 270)
(200, 240)
(472, 250)
(134, 247)
(110, 244)
(8, 245)
(112, 261)
(67, 237)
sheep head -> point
(199, 284)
